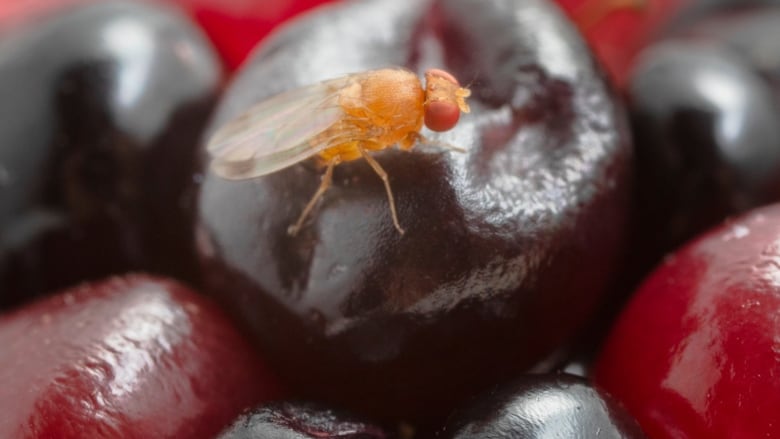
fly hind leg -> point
(383, 175)
(327, 179)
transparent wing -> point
(277, 132)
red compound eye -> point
(441, 115)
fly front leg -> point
(417, 137)
(327, 179)
(383, 175)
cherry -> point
(294, 420)
(102, 108)
(507, 249)
(130, 357)
(695, 352)
(543, 406)
(704, 111)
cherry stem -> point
(593, 12)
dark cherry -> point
(543, 406)
(705, 120)
(102, 108)
(127, 357)
(294, 420)
(695, 352)
(507, 249)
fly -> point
(338, 120)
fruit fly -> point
(338, 120)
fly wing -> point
(277, 132)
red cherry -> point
(134, 357)
(696, 352)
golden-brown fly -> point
(338, 120)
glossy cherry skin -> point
(706, 136)
(130, 357)
(497, 239)
(695, 353)
(103, 105)
(543, 406)
(294, 420)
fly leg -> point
(383, 175)
(327, 179)
(422, 139)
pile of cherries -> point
(602, 261)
